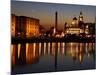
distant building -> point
(73, 28)
(52, 31)
(20, 26)
(23, 26)
(42, 30)
(90, 28)
(76, 31)
(66, 26)
(76, 27)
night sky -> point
(45, 12)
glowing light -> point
(73, 22)
(87, 26)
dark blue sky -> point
(46, 12)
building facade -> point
(76, 26)
(13, 24)
(32, 27)
(23, 26)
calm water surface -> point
(48, 57)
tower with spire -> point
(81, 16)
(80, 23)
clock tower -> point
(80, 21)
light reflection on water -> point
(67, 54)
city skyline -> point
(45, 12)
(50, 37)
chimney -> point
(56, 14)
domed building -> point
(75, 28)
(74, 22)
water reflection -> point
(33, 50)
(32, 53)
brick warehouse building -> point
(22, 26)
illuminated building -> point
(90, 28)
(81, 17)
(79, 27)
(32, 27)
(24, 26)
(76, 31)
(13, 24)
(80, 21)
(87, 29)
(73, 28)
(74, 22)
(76, 27)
